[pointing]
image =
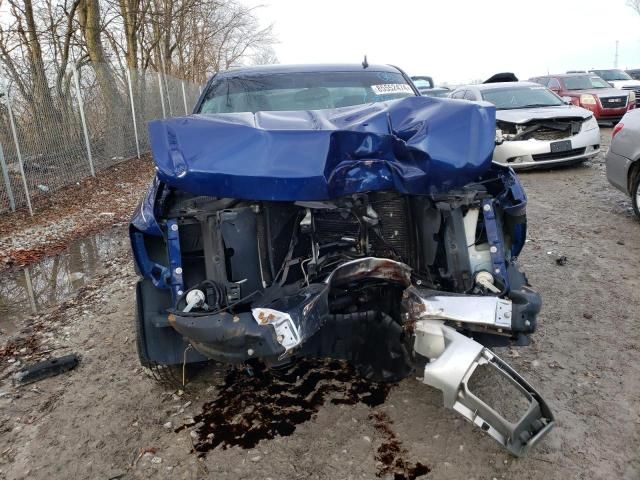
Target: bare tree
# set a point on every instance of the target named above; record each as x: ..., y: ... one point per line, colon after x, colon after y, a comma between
x: 264, y: 56
x: 22, y: 55
x: 36, y: 44
x: 635, y: 5
x: 195, y: 38
x: 41, y: 39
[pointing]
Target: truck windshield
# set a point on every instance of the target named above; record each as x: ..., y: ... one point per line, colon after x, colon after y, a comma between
x: 521, y: 97
x: 610, y: 75
x: 302, y: 91
x: 584, y: 82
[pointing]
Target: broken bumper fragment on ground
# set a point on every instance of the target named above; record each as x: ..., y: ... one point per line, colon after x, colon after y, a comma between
x: 393, y: 246
x: 454, y: 359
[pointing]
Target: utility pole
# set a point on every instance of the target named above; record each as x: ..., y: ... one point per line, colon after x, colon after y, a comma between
x: 615, y: 61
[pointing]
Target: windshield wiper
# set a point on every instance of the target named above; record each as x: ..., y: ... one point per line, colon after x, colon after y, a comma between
x: 535, y: 105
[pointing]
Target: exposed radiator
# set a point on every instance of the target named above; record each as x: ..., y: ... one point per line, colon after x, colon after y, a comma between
x: 391, y: 207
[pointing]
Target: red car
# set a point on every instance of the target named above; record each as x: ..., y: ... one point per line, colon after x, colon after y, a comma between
x: 589, y: 91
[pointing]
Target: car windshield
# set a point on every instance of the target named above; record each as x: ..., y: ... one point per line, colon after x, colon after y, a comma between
x: 584, y: 82
x: 436, y: 92
x: 422, y: 82
x: 510, y: 98
x: 302, y: 91
x: 613, y: 75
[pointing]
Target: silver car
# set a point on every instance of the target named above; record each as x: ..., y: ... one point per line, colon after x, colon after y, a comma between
x: 623, y: 157
x: 534, y: 126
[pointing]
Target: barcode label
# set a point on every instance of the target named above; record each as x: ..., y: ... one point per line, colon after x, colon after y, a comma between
x: 387, y: 88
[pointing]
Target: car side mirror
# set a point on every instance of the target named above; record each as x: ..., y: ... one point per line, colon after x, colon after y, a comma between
x: 567, y: 100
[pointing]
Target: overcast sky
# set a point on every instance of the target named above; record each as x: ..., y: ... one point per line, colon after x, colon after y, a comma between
x: 457, y: 40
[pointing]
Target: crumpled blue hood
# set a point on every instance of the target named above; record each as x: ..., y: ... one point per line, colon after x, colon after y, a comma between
x: 416, y: 145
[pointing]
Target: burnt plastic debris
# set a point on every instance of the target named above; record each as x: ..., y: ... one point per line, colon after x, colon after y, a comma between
x: 273, y: 402
x: 46, y: 369
x: 562, y: 260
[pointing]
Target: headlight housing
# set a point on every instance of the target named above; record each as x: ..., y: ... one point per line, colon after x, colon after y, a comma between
x: 587, y: 99
x: 632, y: 97
x: 590, y: 123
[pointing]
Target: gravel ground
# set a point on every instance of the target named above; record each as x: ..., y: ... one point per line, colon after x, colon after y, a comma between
x: 107, y: 419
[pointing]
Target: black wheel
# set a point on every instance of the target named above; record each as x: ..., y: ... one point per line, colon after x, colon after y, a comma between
x: 183, y: 367
x: 635, y: 192
x: 173, y: 376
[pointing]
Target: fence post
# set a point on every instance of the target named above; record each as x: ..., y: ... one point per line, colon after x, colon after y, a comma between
x: 7, y: 182
x: 160, y: 87
x: 19, y: 154
x: 30, y: 292
x: 166, y: 86
x: 164, y: 71
x: 133, y: 113
x: 76, y: 81
x: 184, y: 98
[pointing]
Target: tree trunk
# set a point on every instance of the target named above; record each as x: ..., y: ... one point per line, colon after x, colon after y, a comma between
x: 130, y: 12
x: 46, y: 113
x: 89, y: 19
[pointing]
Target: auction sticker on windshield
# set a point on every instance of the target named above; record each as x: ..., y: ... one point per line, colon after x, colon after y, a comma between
x: 387, y: 88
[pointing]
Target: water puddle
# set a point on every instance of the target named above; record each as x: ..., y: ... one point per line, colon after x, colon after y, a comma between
x: 53, y: 279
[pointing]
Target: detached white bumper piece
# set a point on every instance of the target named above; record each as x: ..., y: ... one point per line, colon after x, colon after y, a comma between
x: 453, y: 360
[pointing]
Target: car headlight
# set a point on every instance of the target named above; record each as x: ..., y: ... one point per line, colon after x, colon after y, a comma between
x: 632, y: 97
x: 590, y: 123
x: 587, y: 99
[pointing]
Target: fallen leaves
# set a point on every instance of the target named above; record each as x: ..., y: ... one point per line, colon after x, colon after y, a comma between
x: 73, y: 212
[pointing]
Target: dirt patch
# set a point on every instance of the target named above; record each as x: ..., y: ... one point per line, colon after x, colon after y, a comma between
x: 73, y: 212
x: 107, y: 419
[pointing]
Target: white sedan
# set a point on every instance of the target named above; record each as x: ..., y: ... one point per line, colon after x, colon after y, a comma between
x: 534, y: 126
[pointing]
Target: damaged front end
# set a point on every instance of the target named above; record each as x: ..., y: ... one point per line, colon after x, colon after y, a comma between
x: 523, y: 142
x: 384, y: 249
x: 546, y: 129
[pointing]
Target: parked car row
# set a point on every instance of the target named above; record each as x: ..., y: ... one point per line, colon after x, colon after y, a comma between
x: 552, y: 120
x: 591, y: 92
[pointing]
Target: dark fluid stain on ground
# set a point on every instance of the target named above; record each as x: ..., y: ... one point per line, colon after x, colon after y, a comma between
x: 271, y: 403
x: 391, y: 454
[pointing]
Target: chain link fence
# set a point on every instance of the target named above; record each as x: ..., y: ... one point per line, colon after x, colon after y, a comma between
x: 98, y: 119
